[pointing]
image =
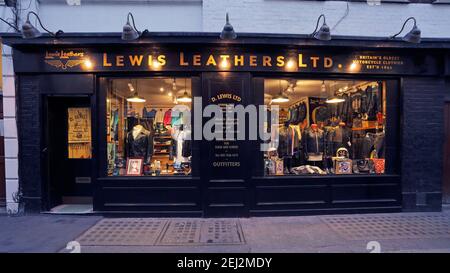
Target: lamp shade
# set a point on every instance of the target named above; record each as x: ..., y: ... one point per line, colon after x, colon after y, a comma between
x: 323, y: 34
x: 334, y: 99
x: 29, y: 31
x: 280, y: 98
x: 228, y: 31
x: 129, y: 33
x: 135, y: 98
x: 185, y: 97
x: 414, y: 36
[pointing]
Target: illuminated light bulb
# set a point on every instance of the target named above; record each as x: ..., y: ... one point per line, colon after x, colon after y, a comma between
x: 169, y: 94
x: 353, y: 66
x: 290, y: 64
x: 88, y: 64
x: 156, y: 64
x: 224, y: 64
x: 130, y: 86
x: 161, y: 89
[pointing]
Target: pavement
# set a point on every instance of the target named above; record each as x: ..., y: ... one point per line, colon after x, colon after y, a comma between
x: 394, y: 232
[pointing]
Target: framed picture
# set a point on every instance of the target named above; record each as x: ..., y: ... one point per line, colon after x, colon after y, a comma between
x: 343, y: 166
x: 134, y: 166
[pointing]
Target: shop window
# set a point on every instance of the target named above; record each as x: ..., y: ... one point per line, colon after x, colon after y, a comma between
x: 326, y: 127
x: 149, y: 127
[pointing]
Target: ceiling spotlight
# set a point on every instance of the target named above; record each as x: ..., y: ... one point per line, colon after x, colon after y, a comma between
x: 323, y: 34
x: 228, y: 31
x: 413, y: 36
x: 29, y: 31
x: 323, y: 87
x: 130, y: 32
x: 130, y: 86
x: 174, y: 84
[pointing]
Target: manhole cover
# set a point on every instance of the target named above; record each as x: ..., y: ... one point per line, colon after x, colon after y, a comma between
x: 123, y: 231
x: 203, y: 232
x: 358, y: 227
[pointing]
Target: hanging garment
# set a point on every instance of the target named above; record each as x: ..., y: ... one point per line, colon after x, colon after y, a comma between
x: 168, y: 117
x: 148, y: 114
x: 313, y: 144
x: 177, y: 117
x: 159, y: 116
x: 114, y: 125
x: 140, y: 145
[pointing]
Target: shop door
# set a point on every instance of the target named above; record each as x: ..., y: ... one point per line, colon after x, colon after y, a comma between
x: 69, y: 150
x: 225, y: 163
x: 446, y: 178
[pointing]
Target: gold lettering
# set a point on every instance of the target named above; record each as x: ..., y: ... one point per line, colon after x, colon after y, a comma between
x: 267, y: 61
x: 300, y: 61
x: 196, y: 60
x: 105, y: 60
x: 280, y: 61
x: 314, y: 61
x: 162, y: 60
x: 119, y: 60
x: 328, y: 62
x: 135, y: 59
x: 211, y: 61
x: 182, y: 61
x: 252, y: 60
x: 239, y: 60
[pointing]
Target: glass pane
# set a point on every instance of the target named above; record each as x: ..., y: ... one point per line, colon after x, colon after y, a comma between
x: 149, y: 126
x: 326, y: 127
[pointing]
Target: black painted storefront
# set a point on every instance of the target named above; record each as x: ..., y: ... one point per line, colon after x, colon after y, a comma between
x: 414, y: 127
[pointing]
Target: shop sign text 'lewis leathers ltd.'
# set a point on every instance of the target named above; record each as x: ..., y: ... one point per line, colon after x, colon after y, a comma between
x: 308, y: 60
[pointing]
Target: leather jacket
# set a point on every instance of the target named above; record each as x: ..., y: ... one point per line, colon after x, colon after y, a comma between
x: 141, y: 146
x: 313, y: 142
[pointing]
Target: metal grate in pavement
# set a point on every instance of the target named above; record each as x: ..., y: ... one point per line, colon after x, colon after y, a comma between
x: 181, y: 233
x: 150, y: 232
x: 363, y: 227
x: 203, y: 232
x: 222, y: 232
x: 123, y: 231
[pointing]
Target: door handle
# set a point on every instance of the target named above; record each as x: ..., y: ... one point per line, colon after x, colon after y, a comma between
x: 44, y: 150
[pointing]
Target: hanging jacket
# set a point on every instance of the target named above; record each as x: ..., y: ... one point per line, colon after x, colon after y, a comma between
x: 313, y: 142
x: 141, y: 146
x: 168, y: 117
x: 301, y: 109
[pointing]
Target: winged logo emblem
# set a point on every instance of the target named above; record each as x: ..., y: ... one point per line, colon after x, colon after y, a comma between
x: 62, y: 65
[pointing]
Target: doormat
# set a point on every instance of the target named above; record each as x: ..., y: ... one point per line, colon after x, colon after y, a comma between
x: 162, y: 232
x: 392, y: 226
x: 72, y: 209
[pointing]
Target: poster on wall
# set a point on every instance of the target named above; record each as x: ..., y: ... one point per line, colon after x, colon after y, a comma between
x: 79, y: 132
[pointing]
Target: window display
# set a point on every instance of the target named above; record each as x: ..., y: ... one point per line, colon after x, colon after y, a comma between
x: 326, y: 127
x: 149, y: 127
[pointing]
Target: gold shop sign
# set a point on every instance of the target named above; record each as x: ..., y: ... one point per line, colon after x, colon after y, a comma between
x: 220, y: 59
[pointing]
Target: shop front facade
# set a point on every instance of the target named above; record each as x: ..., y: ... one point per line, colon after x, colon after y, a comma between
x: 354, y: 125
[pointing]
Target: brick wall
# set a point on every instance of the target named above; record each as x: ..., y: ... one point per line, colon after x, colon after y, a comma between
x: 422, y: 138
x: 286, y: 16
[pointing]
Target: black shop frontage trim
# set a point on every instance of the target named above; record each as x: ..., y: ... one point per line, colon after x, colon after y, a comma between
x: 80, y: 66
